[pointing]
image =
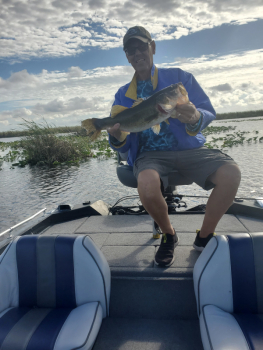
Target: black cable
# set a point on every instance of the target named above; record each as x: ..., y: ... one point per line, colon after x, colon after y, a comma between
x: 124, y: 198
x: 238, y: 198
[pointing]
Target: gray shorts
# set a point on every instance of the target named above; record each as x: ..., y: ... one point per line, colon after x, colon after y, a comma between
x: 194, y: 164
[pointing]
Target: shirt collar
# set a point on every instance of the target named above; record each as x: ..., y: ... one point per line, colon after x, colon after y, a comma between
x: 132, y: 90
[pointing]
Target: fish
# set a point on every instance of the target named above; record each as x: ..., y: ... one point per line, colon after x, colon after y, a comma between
x: 144, y: 113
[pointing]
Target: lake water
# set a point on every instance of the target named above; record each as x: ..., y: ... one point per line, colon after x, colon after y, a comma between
x: 24, y: 191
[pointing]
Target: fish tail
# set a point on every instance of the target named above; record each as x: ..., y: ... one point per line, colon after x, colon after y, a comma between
x: 92, y: 132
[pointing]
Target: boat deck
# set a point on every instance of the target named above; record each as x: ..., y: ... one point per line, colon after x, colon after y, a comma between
x: 151, y: 307
x: 127, y: 243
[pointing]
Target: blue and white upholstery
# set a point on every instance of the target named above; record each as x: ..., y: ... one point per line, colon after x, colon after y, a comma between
x: 54, y: 293
x: 228, y: 281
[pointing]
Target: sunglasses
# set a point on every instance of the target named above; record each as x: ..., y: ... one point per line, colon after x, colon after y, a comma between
x: 131, y: 50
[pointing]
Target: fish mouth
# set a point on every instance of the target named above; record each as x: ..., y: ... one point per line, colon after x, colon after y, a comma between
x: 160, y: 109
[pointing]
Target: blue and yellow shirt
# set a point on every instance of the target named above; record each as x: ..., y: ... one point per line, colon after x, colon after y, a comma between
x: 184, y: 138
x: 148, y: 140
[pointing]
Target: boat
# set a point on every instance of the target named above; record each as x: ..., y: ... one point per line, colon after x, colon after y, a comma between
x: 150, y: 307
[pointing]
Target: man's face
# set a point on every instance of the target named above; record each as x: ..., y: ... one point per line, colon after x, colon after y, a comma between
x: 140, y: 55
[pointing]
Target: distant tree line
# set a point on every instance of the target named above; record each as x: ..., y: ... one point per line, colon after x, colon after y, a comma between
x: 234, y: 115
x: 58, y: 130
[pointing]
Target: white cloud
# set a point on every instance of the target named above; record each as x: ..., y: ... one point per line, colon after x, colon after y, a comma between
x: 62, y: 106
x: 75, y: 72
x: 233, y: 83
x: 19, y: 113
x: 19, y: 79
x: 46, y: 28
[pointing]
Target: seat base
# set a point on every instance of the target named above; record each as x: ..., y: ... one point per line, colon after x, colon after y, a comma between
x: 222, y: 330
x: 50, y: 329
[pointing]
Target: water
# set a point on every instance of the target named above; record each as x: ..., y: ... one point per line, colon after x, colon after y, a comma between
x: 24, y: 191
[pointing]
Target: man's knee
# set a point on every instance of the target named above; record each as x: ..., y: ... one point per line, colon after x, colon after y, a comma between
x: 226, y: 174
x: 148, y: 182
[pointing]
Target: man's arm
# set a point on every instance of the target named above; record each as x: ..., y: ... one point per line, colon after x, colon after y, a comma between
x: 118, y: 140
x: 198, y: 114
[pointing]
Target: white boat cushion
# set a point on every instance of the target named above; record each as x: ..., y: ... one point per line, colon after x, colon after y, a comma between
x: 81, y: 328
x: 49, y: 271
x: 220, y: 330
x: 94, y: 284
x: 54, y: 293
x: 212, y: 276
x: 50, y: 329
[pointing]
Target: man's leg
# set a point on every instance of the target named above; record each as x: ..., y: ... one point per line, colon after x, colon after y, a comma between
x: 149, y: 190
x: 152, y: 199
x: 226, y: 179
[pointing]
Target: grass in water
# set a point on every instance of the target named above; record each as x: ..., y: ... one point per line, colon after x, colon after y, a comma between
x: 228, y: 140
x: 41, y: 146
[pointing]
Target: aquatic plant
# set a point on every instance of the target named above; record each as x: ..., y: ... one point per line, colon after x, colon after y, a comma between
x: 42, y: 146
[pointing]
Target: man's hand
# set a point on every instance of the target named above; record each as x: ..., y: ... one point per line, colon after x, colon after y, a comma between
x: 187, y: 113
x: 115, y: 131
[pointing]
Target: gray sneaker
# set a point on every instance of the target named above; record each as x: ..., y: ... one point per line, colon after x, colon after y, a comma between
x: 200, y: 243
x: 165, y: 254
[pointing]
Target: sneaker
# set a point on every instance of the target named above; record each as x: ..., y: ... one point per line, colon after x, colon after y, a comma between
x: 165, y: 254
x: 200, y: 243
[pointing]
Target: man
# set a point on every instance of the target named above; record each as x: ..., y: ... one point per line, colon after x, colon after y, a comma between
x: 179, y: 145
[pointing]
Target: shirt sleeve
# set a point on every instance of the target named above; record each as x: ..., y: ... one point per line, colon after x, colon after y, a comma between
x: 201, y: 101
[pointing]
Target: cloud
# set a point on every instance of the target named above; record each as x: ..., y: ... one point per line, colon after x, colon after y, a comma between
x: 222, y: 87
x: 19, y: 79
x: 60, y: 105
x: 46, y: 28
x: 15, y: 114
x: 75, y: 72
x: 233, y: 83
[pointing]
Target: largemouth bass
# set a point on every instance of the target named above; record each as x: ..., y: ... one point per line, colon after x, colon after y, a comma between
x: 144, y: 114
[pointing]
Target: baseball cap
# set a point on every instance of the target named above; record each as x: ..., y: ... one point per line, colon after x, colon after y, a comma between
x: 136, y: 32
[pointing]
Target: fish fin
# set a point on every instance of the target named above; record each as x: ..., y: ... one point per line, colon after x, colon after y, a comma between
x: 116, y: 109
x: 184, y: 95
x: 123, y: 136
x: 156, y: 129
x: 92, y: 132
x: 167, y: 121
x: 137, y: 102
x: 174, y: 114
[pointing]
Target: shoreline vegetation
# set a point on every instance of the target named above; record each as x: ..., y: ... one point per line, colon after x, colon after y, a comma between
x: 44, y: 145
x: 79, y: 129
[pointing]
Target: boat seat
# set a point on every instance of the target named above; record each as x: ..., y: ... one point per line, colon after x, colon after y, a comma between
x: 54, y: 293
x: 126, y: 177
x: 228, y: 282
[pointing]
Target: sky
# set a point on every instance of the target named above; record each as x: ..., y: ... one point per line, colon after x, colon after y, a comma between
x: 62, y: 61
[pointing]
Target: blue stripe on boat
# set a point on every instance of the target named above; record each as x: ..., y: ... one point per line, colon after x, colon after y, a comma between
x: 27, y: 270
x: 252, y: 327
x: 65, y: 282
x: 9, y: 320
x: 243, y: 273
x: 47, y: 332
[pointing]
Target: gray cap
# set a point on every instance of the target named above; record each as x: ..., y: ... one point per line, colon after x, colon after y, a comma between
x: 136, y: 32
